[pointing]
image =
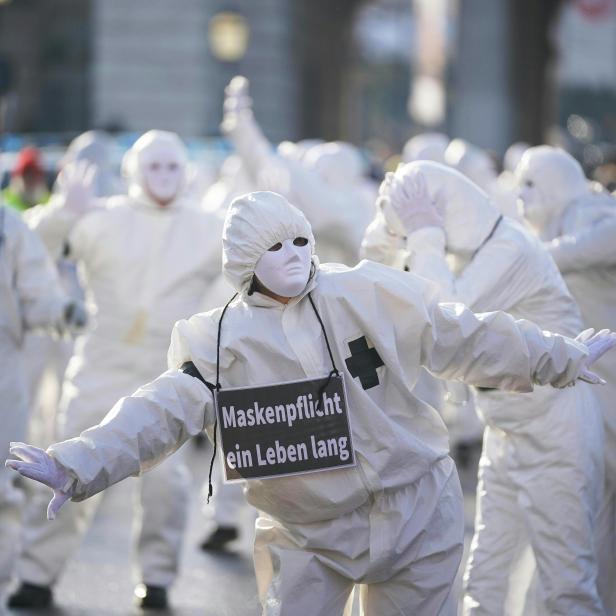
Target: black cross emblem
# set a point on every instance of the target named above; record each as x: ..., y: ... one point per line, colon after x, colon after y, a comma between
x: 363, y: 363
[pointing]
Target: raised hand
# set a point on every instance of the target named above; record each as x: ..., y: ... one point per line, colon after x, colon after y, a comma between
x: 37, y: 464
x: 237, y: 95
x: 409, y: 198
x: 75, y: 184
x: 598, y: 344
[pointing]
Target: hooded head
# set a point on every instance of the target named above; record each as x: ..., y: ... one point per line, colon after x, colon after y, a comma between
x: 476, y: 164
x: 427, y: 146
x: 468, y: 213
x: 256, y: 223
x: 155, y: 167
x: 549, y: 179
x: 94, y: 147
x: 337, y: 162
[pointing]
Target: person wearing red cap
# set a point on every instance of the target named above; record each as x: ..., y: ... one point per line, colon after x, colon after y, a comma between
x: 27, y: 186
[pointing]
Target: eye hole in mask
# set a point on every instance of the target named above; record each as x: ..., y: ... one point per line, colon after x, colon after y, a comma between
x: 298, y: 241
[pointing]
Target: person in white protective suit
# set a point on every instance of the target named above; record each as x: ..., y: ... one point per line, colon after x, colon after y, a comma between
x: 454, y: 401
x: 477, y: 165
x: 392, y: 522
x: 30, y: 297
x: 148, y: 259
x: 541, y: 470
x: 47, y: 356
x: 425, y: 146
x: 577, y: 223
x: 326, y: 183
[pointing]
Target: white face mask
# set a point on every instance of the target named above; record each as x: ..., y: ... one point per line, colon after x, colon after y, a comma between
x: 162, y: 174
x: 285, y: 268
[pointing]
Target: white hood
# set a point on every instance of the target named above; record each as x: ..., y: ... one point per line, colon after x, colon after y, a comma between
x: 254, y: 223
x: 556, y: 180
x: 427, y: 146
x: 94, y: 147
x: 469, y: 215
x: 132, y: 168
x: 475, y: 163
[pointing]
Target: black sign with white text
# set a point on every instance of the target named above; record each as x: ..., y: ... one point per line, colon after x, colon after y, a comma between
x: 284, y: 429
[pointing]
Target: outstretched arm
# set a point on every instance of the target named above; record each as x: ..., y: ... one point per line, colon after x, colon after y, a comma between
x: 240, y: 125
x: 495, y: 350
x: 138, y: 433
x: 489, y: 349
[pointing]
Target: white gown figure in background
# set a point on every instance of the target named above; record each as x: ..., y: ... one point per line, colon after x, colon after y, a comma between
x: 425, y: 146
x: 507, y: 179
x: 577, y: 222
x: 148, y: 260
x: 541, y: 471
x: 393, y: 522
x: 479, y: 167
x: 47, y: 356
x: 326, y: 182
x: 31, y: 297
x: 384, y: 242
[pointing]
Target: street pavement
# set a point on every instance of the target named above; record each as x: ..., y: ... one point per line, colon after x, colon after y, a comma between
x: 99, y: 581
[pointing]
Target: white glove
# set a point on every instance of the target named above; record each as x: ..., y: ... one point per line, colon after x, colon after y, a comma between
x: 75, y: 184
x: 410, y: 201
x: 237, y: 104
x: 598, y: 344
x: 39, y: 465
x: 237, y: 97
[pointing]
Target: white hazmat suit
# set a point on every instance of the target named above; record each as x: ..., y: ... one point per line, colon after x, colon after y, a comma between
x: 47, y: 356
x: 578, y: 225
x: 326, y: 183
x: 30, y: 297
x: 541, y: 471
x: 146, y: 265
x: 393, y: 522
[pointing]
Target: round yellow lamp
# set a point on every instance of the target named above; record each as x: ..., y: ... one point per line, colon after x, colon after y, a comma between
x: 228, y: 35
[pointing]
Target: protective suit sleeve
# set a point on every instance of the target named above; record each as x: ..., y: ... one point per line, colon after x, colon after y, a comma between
x: 53, y: 223
x: 40, y: 295
x: 380, y: 245
x: 494, y: 350
x: 490, y: 349
x: 486, y: 281
x: 138, y: 433
x: 249, y: 141
x: 592, y: 247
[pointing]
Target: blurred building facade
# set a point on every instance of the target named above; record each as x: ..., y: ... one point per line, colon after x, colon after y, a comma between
x: 490, y: 71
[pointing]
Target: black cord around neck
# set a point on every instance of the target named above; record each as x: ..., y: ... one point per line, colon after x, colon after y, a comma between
x: 329, y: 349
x: 210, y: 488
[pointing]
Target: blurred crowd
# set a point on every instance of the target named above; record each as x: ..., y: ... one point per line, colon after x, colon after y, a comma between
x: 111, y: 251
